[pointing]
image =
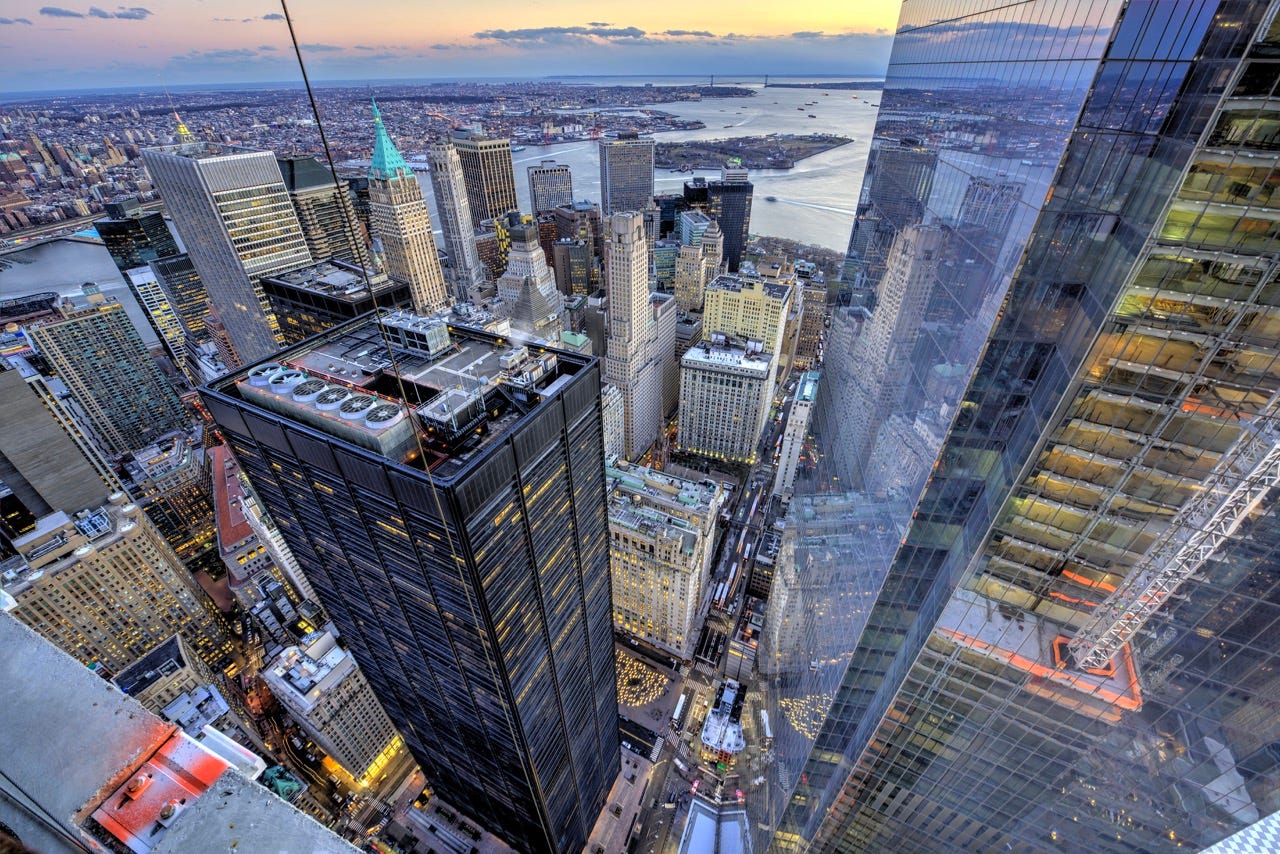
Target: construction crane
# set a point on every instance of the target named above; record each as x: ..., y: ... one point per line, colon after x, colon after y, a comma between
x: 1228, y: 496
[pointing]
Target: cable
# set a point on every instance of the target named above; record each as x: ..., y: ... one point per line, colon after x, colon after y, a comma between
x: 458, y: 560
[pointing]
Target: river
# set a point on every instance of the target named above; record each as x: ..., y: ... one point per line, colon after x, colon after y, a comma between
x: 815, y: 199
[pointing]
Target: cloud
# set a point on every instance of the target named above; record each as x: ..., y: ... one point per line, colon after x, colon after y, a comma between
x: 7, y: 21
x: 599, y: 24
x: 699, y: 33
x: 321, y: 48
x: 125, y: 13
x: 273, y: 16
x: 267, y: 47
x: 219, y: 54
x: 553, y: 35
x: 807, y: 34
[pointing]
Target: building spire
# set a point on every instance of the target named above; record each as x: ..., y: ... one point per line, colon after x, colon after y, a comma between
x: 184, y: 133
x: 387, y: 162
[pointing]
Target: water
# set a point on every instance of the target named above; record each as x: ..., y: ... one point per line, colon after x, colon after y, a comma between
x: 63, y: 266
x: 815, y: 199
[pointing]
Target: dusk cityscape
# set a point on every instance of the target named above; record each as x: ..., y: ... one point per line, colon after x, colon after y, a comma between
x: 594, y: 428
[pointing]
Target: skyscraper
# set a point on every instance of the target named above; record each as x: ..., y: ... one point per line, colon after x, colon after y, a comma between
x: 104, y: 586
x: 1070, y: 648
x: 181, y: 283
x: 626, y: 174
x: 550, y: 186
x: 528, y: 288
x: 234, y: 215
x: 134, y: 236
x: 325, y: 212
x: 488, y: 174
x: 725, y: 394
x: 402, y: 224
x: 451, y: 519
x: 310, y: 299
x: 629, y: 361
x: 729, y: 204
x: 100, y: 356
x: 465, y: 271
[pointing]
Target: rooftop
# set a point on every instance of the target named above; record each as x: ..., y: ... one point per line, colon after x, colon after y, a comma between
x: 59, y: 541
x: 334, y: 279
x: 306, y: 668
x: 422, y: 391
x: 722, y: 730
x: 204, y: 150
x: 165, y: 660
x: 160, y: 458
x: 727, y: 356
x: 808, y: 386
x: 736, y: 284
x: 228, y: 499
x: 663, y: 487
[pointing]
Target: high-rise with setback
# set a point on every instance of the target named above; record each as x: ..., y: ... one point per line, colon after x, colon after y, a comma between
x: 550, y: 186
x: 236, y: 220
x: 629, y: 361
x: 443, y: 489
x: 402, y: 223
x: 1071, y: 648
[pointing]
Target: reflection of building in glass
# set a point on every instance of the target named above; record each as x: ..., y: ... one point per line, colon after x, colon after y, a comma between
x: 899, y: 177
x: 1070, y: 648
x: 444, y: 491
x: 662, y: 535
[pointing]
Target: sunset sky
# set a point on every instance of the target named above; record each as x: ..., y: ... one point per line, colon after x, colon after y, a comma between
x: 178, y: 42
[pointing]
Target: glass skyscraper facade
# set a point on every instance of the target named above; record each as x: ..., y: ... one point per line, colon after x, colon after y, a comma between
x: 1056, y: 635
x: 444, y: 490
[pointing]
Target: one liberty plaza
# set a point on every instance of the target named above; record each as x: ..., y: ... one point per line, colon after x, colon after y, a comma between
x: 1055, y: 634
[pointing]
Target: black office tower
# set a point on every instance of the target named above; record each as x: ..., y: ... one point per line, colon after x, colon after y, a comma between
x: 135, y: 236
x: 443, y: 489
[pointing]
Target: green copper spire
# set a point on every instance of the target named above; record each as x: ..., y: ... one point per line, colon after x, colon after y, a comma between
x: 387, y: 162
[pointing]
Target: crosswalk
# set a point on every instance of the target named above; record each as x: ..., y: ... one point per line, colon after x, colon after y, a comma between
x: 657, y: 749
x: 703, y: 667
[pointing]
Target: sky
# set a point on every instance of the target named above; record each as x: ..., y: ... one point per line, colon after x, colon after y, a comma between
x: 182, y: 42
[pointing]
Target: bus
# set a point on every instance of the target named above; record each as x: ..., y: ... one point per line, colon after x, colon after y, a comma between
x: 675, y: 716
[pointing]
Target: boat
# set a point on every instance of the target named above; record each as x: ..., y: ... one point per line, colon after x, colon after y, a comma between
x: 770, y: 198
x: 517, y: 148
x: 801, y: 109
x: 812, y: 116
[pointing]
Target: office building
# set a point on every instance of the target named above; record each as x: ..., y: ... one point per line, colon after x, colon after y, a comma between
x: 488, y: 175
x: 402, y: 224
x: 794, y: 434
x: 134, y: 237
x: 626, y: 174
x: 550, y: 186
x: 161, y: 317
x: 311, y: 299
x: 97, y: 352
x: 164, y: 674
x: 181, y: 283
x: 580, y: 221
x: 613, y: 423
x: 662, y: 534
x: 235, y: 218
x: 725, y: 394
x: 749, y: 307
x: 1070, y: 648
x: 663, y: 344
x: 630, y: 361
x: 474, y: 594
x: 528, y: 288
x: 575, y: 266
x: 813, y: 320
x: 729, y: 204
x: 170, y: 480
x: 320, y: 685
x: 324, y: 209
x: 464, y: 269
x: 104, y: 586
